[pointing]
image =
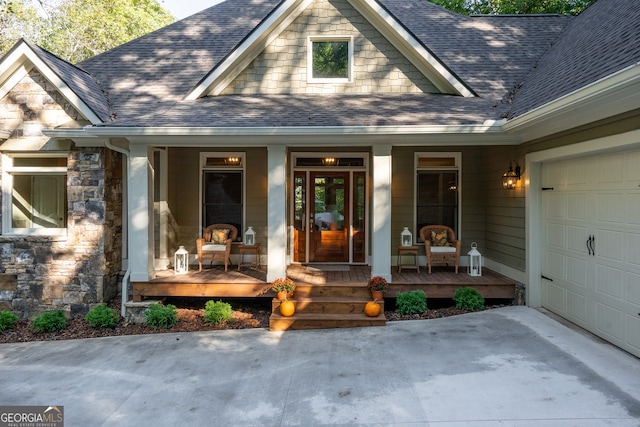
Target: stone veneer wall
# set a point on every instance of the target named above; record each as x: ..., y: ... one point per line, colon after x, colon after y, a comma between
x: 72, y: 272
x: 378, y: 67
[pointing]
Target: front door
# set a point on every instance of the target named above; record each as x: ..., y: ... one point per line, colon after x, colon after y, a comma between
x: 329, y: 216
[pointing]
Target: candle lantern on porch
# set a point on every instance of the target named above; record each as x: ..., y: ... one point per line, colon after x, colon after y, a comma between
x: 475, y: 261
x: 250, y: 237
x: 181, y: 261
x: 406, y: 238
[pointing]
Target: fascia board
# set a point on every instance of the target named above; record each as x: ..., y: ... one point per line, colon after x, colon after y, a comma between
x: 249, y: 49
x: 490, y: 134
x: 411, y: 48
x: 24, y: 57
x: 607, y: 97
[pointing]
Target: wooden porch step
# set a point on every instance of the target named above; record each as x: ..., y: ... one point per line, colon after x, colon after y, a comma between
x: 333, y: 305
x: 329, y: 305
x: 323, y: 321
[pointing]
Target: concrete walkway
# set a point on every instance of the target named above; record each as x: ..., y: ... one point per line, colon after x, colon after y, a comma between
x: 513, y: 366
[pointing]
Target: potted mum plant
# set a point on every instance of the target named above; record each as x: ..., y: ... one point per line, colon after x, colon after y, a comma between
x: 378, y: 286
x: 283, y: 288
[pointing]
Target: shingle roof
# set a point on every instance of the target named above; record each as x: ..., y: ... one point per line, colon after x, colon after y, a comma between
x: 154, y: 72
x: 603, y: 39
x: 166, y: 64
x: 312, y: 110
x: 78, y: 80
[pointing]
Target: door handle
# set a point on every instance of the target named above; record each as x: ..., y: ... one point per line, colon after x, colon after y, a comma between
x: 591, y: 245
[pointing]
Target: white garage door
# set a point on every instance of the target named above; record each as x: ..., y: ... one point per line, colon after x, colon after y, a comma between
x: 591, y: 244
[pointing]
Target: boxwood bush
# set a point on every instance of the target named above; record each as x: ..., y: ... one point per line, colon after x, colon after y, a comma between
x: 217, y: 312
x: 49, y: 321
x: 469, y: 299
x: 102, y: 316
x: 7, y: 320
x: 161, y: 316
x: 413, y: 302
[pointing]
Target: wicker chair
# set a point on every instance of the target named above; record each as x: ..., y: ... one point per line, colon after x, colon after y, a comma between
x: 445, y: 249
x: 215, y: 244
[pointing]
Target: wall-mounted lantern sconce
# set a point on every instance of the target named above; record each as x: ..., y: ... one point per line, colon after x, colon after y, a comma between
x: 511, y: 177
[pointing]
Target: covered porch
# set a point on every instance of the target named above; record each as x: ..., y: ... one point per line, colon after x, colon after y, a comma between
x: 251, y: 282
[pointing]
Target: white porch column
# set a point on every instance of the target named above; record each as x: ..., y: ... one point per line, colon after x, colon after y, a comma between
x: 381, y: 213
x: 277, y: 215
x: 141, y: 244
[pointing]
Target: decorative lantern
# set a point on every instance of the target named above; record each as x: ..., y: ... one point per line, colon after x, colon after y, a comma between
x: 475, y: 261
x: 181, y: 261
x: 406, y: 238
x: 249, y: 237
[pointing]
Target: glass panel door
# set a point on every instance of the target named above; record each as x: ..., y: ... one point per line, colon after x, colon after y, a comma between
x: 329, y: 217
x: 358, y: 222
x: 300, y: 217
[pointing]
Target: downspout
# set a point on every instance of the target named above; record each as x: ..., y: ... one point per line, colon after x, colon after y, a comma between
x: 127, y: 274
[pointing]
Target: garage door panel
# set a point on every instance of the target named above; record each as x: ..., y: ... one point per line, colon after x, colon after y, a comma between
x: 577, y: 271
x: 556, y: 207
x: 576, y: 306
x: 632, y: 169
x: 610, y: 281
x: 577, y: 238
x: 633, y: 290
x: 610, y: 245
x: 555, y: 236
x: 633, y: 209
x: 611, y: 208
x: 577, y: 206
x: 555, y: 264
x: 555, y: 298
x: 632, y: 329
x: 633, y: 249
x: 609, y: 321
x: 611, y: 168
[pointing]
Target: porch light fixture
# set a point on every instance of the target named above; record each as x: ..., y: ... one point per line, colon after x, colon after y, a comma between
x: 475, y: 261
x: 233, y: 161
x: 181, y: 261
x: 329, y: 161
x: 406, y: 237
x: 511, y: 177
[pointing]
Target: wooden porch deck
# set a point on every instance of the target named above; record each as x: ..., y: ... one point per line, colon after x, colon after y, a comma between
x: 249, y: 282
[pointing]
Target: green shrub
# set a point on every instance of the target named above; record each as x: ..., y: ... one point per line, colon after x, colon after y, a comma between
x: 161, y: 316
x: 469, y: 299
x: 414, y: 302
x: 7, y: 320
x: 216, y: 312
x: 49, y: 321
x: 102, y: 316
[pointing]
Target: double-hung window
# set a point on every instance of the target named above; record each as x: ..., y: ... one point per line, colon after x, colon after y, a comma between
x: 437, y: 189
x: 34, y: 194
x: 223, y: 189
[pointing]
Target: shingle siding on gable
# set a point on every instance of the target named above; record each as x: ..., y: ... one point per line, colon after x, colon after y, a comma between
x: 282, y: 67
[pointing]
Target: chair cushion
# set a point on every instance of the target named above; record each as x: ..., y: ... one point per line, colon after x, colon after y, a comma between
x: 219, y: 236
x: 214, y: 248
x: 439, y: 238
x: 443, y: 249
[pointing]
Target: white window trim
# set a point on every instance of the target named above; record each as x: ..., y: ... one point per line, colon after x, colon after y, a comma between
x: 203, y: 167
x: 7, y: 189
x: 457, y: 156
x: 336, y: 38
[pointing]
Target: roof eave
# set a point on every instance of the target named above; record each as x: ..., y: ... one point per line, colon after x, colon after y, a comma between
x: 607, y: 97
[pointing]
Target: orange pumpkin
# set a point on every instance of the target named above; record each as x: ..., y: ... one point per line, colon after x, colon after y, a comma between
x: 372, y: 309
x: 287, y: 308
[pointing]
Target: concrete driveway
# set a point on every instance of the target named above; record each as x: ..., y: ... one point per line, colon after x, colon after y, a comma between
x: 512, y: 366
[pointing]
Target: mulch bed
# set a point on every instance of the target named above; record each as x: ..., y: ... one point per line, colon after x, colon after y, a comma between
x: 246, y: 315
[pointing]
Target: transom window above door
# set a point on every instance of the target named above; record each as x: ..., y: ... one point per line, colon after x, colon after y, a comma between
x: 329, y: 59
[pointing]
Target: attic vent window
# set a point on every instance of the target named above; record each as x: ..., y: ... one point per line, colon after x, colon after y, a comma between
x: 329, y: 59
